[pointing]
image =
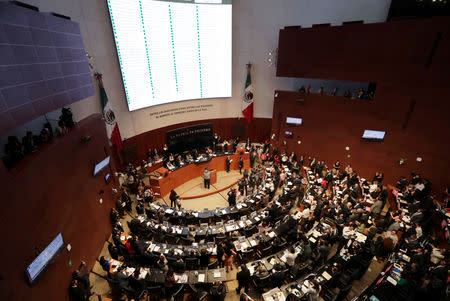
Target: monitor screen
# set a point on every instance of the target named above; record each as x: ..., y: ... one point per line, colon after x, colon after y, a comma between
x: 35, y: 269
x: 294, y: 120
x: 101, y: 165
x: 172, y: 50
x: 373, y: 135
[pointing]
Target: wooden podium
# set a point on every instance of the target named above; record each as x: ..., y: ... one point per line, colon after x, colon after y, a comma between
x: 213, y: 176
x: 172, y: 179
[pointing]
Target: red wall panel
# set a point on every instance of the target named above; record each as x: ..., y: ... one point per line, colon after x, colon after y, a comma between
x: 360, y: 52
x: 332, y: 123
x: 54, y: 191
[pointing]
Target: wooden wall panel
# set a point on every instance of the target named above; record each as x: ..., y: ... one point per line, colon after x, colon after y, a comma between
x: 362, y: 52
x: 408, y: 60
x: 54, y: 191
x: 330, y: 124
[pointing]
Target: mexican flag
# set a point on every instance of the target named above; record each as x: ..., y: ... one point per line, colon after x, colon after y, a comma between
x: 112, y: 128
x: 247, y: 101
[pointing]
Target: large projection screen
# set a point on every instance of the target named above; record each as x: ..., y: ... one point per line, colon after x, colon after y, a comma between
x: 172, y: 50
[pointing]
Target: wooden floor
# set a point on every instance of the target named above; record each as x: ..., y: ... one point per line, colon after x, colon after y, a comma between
x: 219, y: 199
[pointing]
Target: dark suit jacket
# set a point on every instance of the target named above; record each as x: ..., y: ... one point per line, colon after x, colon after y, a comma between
x: 243, y: 277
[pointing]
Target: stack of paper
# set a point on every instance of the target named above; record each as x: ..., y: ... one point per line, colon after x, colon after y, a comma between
x: 201, y: 277
x: 326, y: 275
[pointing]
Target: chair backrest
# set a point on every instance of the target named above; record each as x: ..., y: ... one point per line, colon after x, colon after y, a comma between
x: 212, y: 265
x: 154, y: 291
x: 263, y: 281
x: 191, y: 263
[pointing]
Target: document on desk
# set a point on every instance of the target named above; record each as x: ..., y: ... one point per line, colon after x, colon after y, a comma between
x: 181, y: 278
x: 217, y: 274
x: 201, y: 278
x: 360, y: 237
x: 271, y: 234
x: 326, y: 275
x: 391, y: 280
x: 130, y: 271
x: 143, y: 273
x: 151, y: 247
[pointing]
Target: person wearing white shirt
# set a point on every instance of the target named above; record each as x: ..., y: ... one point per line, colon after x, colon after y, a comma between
x: 305, y: 213
x: 290, y: 257
x: 373, y: 186
x: 348, y: 232
x: 419, y: 232
x: 436, y: 255
x: 419, y: 186
x: 393, y: 236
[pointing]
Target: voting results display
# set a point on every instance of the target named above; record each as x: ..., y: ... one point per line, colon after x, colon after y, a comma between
x: 172, y: 50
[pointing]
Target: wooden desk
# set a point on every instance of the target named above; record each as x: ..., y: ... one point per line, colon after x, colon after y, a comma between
x: 213, y: 177
x: 176, y: 178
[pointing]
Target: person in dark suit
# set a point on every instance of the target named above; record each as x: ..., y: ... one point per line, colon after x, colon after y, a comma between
x: 204, y: 258
x: 220, y: 253
x: 76, y: 293
x: 241, y: 164
x: 232, y: 197
x: 173, y: 198
x: 243, y: 278
x: 252, y: 158
x: 278, y: 276
x: 29, y: 143
x: 114, y: 215
x: 113, y: 252
x: 127, y: 199
x: 82, y: 276
x: 120, y: 206
x: 227, y: 164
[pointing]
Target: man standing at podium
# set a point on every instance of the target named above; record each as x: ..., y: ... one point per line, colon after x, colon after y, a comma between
x: 206, y: 177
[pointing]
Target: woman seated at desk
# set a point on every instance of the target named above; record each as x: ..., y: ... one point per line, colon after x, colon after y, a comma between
x: 208, y: 151
x: 180, y: 161
x: 170, y: 164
